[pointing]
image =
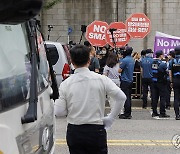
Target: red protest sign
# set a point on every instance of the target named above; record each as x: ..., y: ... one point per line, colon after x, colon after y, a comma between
x: 121, y: 37
x: 95, y: 33
x: 138, y: 25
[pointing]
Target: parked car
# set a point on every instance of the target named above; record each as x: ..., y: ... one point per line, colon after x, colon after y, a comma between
x: 62, y: 62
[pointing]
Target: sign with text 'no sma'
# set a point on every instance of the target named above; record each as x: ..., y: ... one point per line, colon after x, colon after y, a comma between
x: 95, y: 33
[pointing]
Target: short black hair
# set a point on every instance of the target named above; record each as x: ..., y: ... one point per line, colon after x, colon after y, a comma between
x: 177, y: 50
x: 80, y: 54
x: 172, y: 53
x: 143, y: 52
x: 86, y: 43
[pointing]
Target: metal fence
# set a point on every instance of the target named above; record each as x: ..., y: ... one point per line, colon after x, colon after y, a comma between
x: 137, y: 85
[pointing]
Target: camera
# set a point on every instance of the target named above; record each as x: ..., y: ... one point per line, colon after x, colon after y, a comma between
x: 112, y: 30
x: 83, y: 28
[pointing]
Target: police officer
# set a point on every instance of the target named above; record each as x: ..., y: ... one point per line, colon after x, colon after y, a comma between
x: 126, y: 69
x: 170, y: 56
x: 146, y: 72
x: 159, y: 85
x: 174, y: 74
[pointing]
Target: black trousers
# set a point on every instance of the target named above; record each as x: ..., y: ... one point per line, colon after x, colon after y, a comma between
x: 159, y: 90
x: 86, y: 139
x: 126, y: 87
x: 176, y: 87
x: 146, y: 82
x: 168, y: 94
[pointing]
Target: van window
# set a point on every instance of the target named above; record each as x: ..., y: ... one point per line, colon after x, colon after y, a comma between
x: 15, y: 67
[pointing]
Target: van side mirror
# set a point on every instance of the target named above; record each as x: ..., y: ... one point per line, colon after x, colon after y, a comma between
x: 18, y: 11
x: 53, y: 55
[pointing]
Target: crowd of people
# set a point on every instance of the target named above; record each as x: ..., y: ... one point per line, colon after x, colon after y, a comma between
x: 156, y: 74
x: 98, y: 75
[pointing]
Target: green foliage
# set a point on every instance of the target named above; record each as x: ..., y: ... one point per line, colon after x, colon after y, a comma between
x: 50, y: 4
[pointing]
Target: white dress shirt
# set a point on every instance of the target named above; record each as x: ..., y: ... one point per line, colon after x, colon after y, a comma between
x: 82, y: 97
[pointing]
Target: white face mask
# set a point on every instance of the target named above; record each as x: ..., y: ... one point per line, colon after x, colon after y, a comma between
x: 103, y: 52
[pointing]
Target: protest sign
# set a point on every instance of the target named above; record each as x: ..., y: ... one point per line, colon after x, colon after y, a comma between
x: 95, y: 33
x: 138, y: 25
x: 165, y: 42
x: 121, y: 37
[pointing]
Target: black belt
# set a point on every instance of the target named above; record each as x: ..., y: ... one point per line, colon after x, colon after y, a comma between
x: 84, y: 126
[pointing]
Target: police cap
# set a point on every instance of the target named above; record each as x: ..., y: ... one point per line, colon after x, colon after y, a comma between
x: 149, y: 51
x: 159, y: 53
x: 129, y: 50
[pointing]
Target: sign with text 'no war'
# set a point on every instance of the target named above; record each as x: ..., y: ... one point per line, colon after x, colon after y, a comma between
x: 165, y: 42
x: 95, y: 33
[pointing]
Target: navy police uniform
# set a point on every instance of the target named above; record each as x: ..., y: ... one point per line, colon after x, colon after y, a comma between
x: 159, y: 86
x: 174, y: 66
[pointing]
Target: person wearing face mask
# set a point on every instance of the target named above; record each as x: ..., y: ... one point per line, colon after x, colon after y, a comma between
x: 146, y: 73
x: 103, y: 54
x: 94, y: 63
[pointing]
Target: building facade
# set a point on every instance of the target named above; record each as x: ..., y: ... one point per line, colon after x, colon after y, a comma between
x: 164, y: 16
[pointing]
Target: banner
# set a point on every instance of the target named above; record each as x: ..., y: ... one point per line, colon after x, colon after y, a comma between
x: 165, y: 42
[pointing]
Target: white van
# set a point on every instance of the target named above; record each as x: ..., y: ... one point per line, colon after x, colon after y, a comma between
x: 27, y: 121
x: 63, y: 65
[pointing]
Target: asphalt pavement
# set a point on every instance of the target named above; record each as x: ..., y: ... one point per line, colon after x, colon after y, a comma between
x: 140, y: 135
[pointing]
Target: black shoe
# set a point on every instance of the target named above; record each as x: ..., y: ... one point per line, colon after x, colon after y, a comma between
x: 164, y: 116
x: 155, y: 114
x: 177, y: 117
x: 144, y: 107
x: 122, y: 116
x: 168, y: 107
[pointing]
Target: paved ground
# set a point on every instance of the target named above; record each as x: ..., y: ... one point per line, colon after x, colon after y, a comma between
x: 142, y: 134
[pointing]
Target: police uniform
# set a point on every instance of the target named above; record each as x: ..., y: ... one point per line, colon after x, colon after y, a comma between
x: 174, y: 66
x: 159, y: 85
x: 146, y: 65
x: 127, y: 66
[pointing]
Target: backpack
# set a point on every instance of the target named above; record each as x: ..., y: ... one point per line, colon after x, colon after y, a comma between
x: 176, y: 68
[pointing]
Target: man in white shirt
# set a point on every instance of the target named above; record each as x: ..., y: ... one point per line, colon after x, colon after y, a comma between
x: 82, y: 100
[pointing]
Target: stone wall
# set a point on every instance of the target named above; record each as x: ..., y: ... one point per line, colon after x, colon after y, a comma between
x: 164, y: 16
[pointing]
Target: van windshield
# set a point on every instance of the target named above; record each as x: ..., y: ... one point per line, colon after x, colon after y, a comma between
x: 15, y: 67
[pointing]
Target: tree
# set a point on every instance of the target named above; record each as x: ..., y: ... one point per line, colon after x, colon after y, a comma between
x: 50, y: 4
